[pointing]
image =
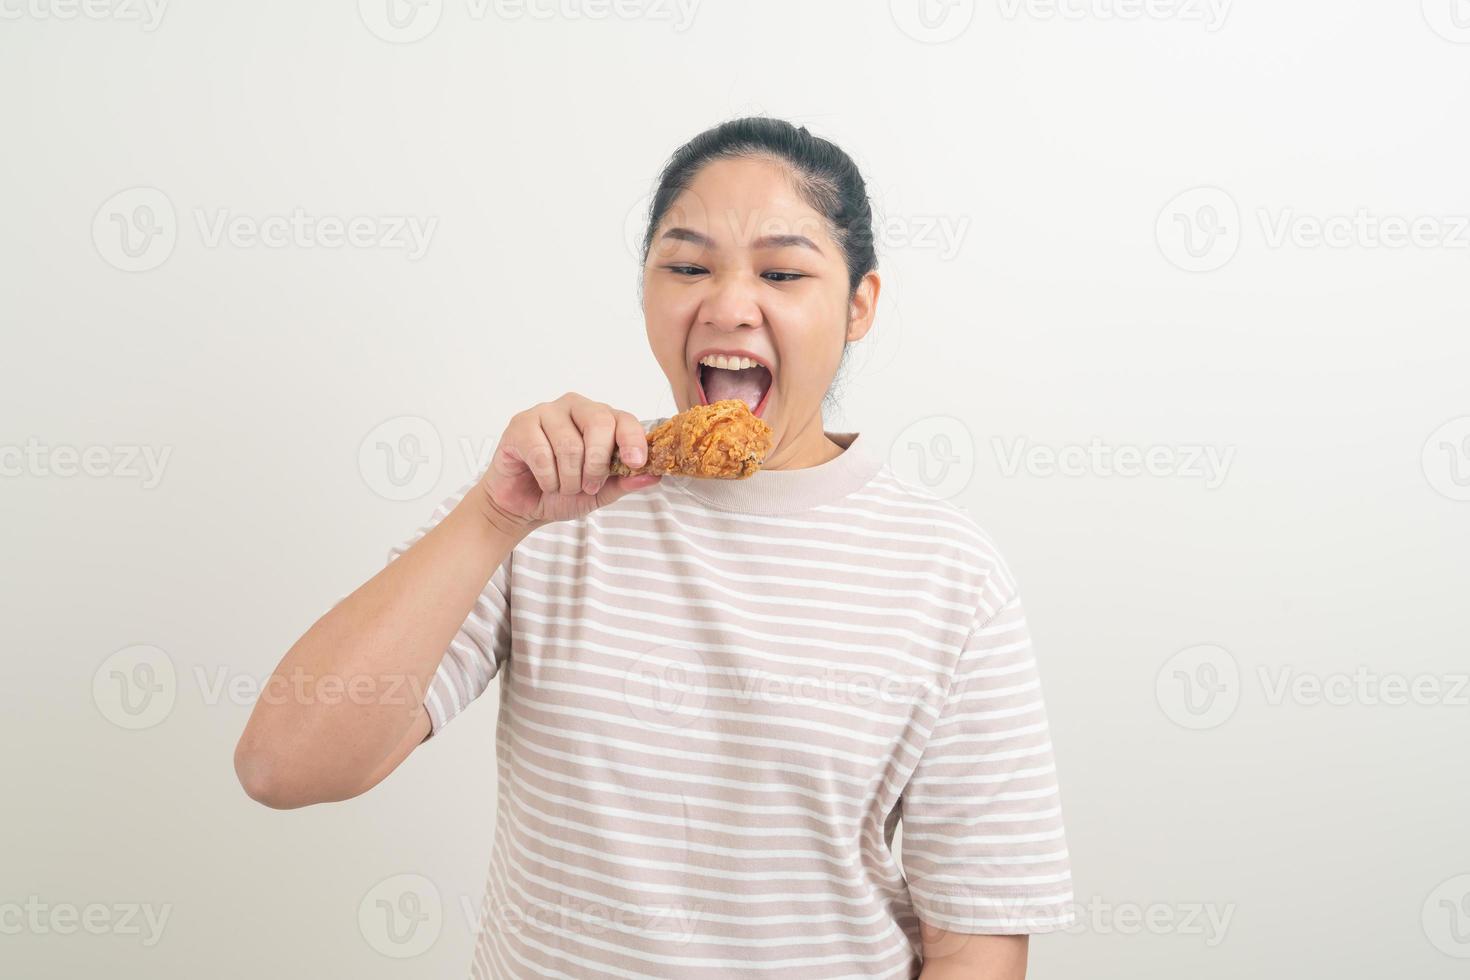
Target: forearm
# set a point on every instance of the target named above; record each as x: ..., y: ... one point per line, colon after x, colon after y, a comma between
x: 345, y: 694
x: 957, y: 956
x: 958, y: 971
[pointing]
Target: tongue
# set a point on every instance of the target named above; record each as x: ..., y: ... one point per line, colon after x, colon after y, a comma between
x: 748, y: 385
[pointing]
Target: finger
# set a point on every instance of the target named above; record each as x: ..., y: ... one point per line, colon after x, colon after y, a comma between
x: 598, y: 427
x: 632, y: 440
x: 566, y: 443
x: 621, y: 486
x: 528, y: 444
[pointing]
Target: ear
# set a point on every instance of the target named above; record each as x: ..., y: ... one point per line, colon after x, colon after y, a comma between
x: 863, y: 307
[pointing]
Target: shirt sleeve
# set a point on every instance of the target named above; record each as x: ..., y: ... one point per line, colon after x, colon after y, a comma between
x: 482, y: 643
x: 983, y: 845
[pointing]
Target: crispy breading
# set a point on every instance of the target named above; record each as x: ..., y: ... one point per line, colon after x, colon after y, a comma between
x: 722, y: 440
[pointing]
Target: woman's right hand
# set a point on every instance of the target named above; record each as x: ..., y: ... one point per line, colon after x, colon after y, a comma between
x: 553, y: 459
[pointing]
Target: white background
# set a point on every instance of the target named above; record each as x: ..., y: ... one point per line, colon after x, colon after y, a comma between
x: 1027, y: 162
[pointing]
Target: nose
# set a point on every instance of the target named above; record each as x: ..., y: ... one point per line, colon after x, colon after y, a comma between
x: 731, y: 303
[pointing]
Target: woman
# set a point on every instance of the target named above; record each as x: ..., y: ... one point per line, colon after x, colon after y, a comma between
x: 718, y: 697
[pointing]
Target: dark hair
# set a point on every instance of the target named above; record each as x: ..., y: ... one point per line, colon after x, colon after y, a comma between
x: 824, y: 176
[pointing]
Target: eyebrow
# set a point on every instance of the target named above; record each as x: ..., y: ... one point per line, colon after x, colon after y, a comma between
x: 767, y: 241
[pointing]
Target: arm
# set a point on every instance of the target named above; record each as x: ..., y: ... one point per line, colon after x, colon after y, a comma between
x: 984, y: 848
x: 379, y: 648
x: 344, y: 706
x: 957, y: 956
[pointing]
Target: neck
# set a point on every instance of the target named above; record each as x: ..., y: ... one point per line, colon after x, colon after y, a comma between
x: 807, y: 446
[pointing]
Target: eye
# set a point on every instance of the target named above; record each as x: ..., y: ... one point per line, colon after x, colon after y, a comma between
x: 694, y: 270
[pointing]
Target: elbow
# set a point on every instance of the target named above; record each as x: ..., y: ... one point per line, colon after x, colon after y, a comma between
x: 262, y: 777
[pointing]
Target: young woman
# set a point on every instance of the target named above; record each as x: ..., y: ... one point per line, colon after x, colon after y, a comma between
x: 717, y: 697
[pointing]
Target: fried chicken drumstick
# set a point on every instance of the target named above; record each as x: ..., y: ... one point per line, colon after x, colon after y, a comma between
x: 723, y: 440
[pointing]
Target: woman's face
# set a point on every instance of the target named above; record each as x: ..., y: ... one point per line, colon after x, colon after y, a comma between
x: 740, y: 263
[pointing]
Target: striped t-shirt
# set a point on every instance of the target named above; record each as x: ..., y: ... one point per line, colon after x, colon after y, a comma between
x: 717, y: 700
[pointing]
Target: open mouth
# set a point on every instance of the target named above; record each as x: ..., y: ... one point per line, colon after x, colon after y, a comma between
x: 751, y: 385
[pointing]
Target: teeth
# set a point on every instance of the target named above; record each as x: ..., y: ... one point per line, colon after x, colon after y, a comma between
x: 728, y: 363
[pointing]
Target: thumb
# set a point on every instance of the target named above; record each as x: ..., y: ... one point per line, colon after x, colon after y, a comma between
x: 621, y: 486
